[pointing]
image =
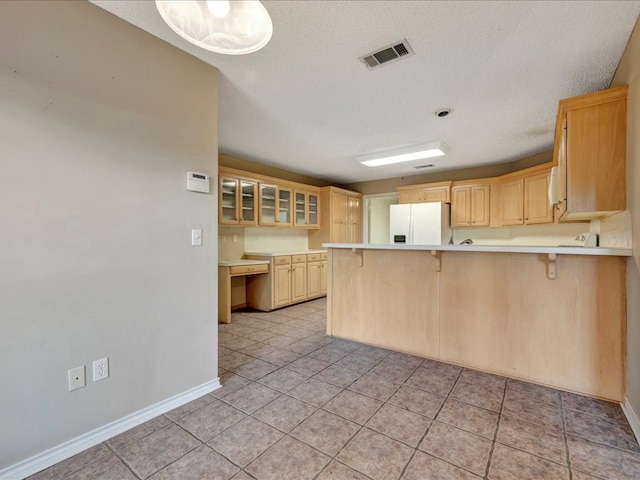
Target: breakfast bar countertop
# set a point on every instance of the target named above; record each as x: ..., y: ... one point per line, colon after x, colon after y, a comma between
x: 618, y: 252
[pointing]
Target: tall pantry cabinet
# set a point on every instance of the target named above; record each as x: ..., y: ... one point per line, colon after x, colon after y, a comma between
x: 340, y: 218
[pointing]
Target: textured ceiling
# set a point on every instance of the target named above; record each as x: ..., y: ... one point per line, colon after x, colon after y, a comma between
x: 305, y: 103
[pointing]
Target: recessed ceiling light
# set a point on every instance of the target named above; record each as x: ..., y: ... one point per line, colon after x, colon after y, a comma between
x: 416, y: 152
x: 232, y: 27
x: 443, y: 112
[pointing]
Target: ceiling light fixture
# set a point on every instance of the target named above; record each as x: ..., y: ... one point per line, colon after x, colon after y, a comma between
x: 416, y: 152
x: 232, y: 27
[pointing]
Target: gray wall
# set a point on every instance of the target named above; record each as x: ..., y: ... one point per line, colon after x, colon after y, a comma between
x: 99, y: 123
x: 628, y: 73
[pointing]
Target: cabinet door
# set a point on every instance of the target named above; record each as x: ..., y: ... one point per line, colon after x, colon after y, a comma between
x: 537, y: 208
x: 339, y: 215
x: 511, y: 202
x: 228, y: 201
x: 268, y: 204
x: 480, y: 205
x: 324, y: 268
x: 436, y: 194
x: 298, y: 282
x: 313, y: 210
x: 281, y: 285
x: 410, y: 196
x: 596, y: 158
x: 461, y: 206
x: 313, y: 279
x: 354, y: 216
x: 248, y: 202
x: 301, y: 204
x: 285, y: 207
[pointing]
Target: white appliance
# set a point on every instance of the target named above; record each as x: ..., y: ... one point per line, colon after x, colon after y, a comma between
x: 420, y: 224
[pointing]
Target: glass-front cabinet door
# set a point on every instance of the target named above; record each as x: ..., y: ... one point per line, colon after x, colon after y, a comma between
x: 248, y: 202
x: 313, y: 217
x: 301, y: 209
x: 285, y: 201
x: 306, y: 209
x: 268, y: 204
x: 228, y: 211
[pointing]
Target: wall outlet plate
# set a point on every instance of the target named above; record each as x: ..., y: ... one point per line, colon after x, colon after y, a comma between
x: 76, y: 378
x: 100, y: 369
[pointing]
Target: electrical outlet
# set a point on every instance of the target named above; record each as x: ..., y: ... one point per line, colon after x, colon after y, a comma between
x: 100, y: 369
x: 76, y: 378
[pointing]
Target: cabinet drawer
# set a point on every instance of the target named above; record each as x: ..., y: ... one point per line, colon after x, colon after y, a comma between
x: 298, y: 258
x: 284, y: 260
x: 323, y: 256
x: 244, y: 269
x: 313, y: 257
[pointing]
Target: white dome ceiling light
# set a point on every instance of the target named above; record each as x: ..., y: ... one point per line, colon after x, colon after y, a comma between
x: 222, y: 26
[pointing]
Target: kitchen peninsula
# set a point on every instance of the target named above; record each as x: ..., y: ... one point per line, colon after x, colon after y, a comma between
x: 551, y: 315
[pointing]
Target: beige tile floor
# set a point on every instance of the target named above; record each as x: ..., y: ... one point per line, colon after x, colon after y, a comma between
x: 297, y: 405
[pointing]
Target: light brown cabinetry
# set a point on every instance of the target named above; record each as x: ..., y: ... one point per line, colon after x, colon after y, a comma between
x: 340, y: 218
x: 298, y: 278
x: 237, y: 201
x: 424, y: 193
x: 247, y: 199
x: 524, y: 197
x: 275, y: 205
x: 470, y: 205
x: 291, y: 279
x: 590, y: 151
x: 316, y: 275
x: 306, y: 209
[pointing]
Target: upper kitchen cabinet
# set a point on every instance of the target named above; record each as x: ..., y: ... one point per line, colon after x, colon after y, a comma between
x: 590, y: 151
x: 424, y: 193
x: 524, y: 197
x: 470, y: 204
x: 275, y: 205
x: 237, y: 201
x: 340, y: 218
x: 307, y: 209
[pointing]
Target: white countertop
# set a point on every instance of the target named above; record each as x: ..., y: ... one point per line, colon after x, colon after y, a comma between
x: 619, y: 252
x: 240, y: 263
x: 277, y: 253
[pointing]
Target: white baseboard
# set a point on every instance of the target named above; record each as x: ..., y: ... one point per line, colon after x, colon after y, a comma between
x: 632, y: 418
x: 72, y: 447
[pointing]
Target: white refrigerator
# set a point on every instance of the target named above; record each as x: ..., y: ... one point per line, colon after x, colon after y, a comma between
x: 420, y: 224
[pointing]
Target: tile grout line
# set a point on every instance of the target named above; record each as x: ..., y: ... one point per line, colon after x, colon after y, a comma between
x: 495, y: 433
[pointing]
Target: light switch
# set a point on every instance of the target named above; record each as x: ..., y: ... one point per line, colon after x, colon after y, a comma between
x: 196, y: 237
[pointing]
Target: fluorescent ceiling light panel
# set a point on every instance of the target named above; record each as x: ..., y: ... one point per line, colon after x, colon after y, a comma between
x: 417, y: 152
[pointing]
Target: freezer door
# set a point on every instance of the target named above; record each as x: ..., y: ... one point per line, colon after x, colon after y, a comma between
x: 430, y: 223
x: 399, y: 223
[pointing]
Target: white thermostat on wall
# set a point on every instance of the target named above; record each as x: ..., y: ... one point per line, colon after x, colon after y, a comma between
x: 198, y: 182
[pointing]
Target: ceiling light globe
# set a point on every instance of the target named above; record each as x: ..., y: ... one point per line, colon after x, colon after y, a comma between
x: 245, y: 28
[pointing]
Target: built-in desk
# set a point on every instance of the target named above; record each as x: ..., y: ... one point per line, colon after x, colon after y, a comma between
x: 234, y: 268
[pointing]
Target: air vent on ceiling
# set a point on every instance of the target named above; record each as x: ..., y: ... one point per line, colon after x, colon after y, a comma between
x: 387, y: 54
x: 424, y: 166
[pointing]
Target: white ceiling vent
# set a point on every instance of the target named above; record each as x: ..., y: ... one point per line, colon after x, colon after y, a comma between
x: 387, y: 54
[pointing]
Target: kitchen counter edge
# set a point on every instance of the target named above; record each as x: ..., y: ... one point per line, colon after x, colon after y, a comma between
x: 284, y: 252
x: 617, y: 252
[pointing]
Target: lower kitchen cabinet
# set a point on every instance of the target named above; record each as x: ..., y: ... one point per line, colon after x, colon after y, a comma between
x: 291, y: 279
x: 298, y: 278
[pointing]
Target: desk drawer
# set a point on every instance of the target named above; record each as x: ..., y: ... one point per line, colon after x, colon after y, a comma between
x: 284, y: 260
x: 298, y: 258
x: 248, y: 269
